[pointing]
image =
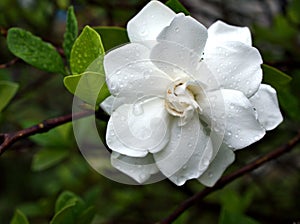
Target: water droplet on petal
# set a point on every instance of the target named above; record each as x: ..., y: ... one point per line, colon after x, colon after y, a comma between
x: 210, y: 175
x: 143, y: 32
x: 142, y: 176
x: 256, y: 138
x: 206, y: 162
x: 147, y: 74
x: 138, y: 109
x: 177, y: 29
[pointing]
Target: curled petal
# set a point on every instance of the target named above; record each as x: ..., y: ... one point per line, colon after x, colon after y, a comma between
x: 266, y: 104
x: 222, y: 32
x: 242, y: 127
x: 140, y: 169
x: 223, y: 159
x: 235, y: 65
x: 136, y: 129
x: 149, y: 22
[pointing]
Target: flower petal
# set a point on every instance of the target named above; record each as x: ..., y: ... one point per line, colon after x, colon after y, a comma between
x: 185, y: 141
x: 136, y: 129
x: 130, y: 73
x: 223, y: 32
x: 197, y: 164
x: 266, y: 104
x: 242, y: 127
x: 235, y: 65
x: 140, y: 169
x: 124, y: 56
x: 107, y: 104
x: 187, y: 32
x: 215, y: 170
x: 149, y: 22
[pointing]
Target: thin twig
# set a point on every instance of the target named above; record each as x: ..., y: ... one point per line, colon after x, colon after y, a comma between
x: 231, y: 177
x: 7, y: 139
x: 10, y: 63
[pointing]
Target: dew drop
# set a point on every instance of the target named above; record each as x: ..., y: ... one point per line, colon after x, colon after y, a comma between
x: 143, y: 32
x: 210, y: 175
x: 113, y: 86
x: 147, y: 74
x: 142, y: 176
x: 177, y: 29
x: 216, y: 129
x: 256, y: 138
x: 206, y: 162
x: 138, y: 109
x: 190, y: 145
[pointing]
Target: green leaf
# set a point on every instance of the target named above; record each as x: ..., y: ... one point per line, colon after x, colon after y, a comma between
x: 65, y: 199
x: 71, y: 32
x: 34, y: 51
x: 275, y: 77
x: 87, y: 48
x: 230, y: 217
x: 7, y: 92
x: 177, y: 7
x: 293, y: 11
x: 68, y: 209
x: 19, y: 218
x: 47, y: 158
x: 289, y: 103
x: 112, y: 36
x: 86, y: 216
x: 64, y: 216
x: 89, y: 86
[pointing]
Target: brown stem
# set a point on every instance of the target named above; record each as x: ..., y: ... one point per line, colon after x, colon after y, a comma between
x: 8, y: 64
x: 231, y: 177
x: 7, y: 139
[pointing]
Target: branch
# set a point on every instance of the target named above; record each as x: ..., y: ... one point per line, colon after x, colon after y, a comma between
x: 7, y: 139
x: 231, y: 177
x: 8, y: 64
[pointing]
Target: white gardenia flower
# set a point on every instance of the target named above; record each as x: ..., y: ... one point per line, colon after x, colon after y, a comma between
x: 184, y: 97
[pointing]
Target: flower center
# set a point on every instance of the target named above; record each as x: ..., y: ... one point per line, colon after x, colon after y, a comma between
x: 181, y: 100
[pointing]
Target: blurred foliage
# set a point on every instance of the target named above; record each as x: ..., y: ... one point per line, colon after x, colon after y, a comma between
x: 45, y: 179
